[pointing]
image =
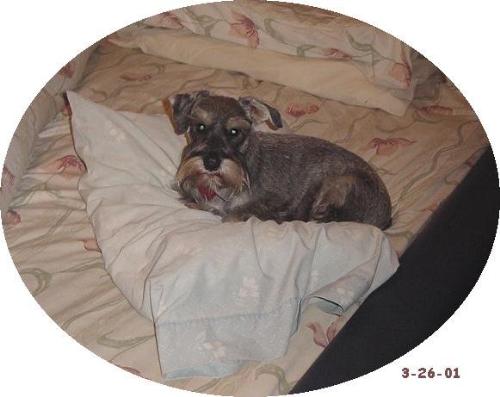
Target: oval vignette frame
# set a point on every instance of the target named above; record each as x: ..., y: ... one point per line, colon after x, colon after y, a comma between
x: 319, y: 4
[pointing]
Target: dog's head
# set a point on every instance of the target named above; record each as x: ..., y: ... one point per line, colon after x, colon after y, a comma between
x: 217, y: 129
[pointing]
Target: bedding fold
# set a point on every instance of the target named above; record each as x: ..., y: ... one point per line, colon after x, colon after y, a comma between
x: 44, y: 107
x: 302, y: 31
x: 321, y: 77
x: 220, y: 294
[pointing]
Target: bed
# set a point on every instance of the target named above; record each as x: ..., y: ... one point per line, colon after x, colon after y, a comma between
x: 420, y: 135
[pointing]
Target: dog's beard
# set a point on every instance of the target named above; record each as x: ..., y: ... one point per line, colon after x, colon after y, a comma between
x: 195, y: 182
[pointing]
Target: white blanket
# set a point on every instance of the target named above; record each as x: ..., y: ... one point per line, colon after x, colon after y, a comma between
x: 219, y: 294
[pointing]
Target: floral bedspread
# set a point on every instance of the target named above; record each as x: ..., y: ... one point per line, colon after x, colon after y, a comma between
x: 421, y: 156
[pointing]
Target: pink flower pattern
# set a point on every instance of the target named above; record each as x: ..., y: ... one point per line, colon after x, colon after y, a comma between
x: 8, y: 179
x: 91, y: 245
x: 386, y: 147
x: 401, y: 72
x: 299, y: 110
x: 244, y: 27
x: 334, y: 53
x: 67, y: 166
x: 67, y: 70
x: 320, y: 337
x: 166, y: 20
x: 12, y: 218
x: 436, y: 110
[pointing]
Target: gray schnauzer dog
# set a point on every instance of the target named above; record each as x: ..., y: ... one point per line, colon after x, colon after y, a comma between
x: 233, y: 169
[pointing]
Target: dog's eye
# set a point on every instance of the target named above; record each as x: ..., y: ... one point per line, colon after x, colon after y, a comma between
x: 201, y: 127
x: 234, y: 131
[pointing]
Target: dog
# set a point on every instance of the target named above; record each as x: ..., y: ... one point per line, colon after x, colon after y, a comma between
x: 233, y: 169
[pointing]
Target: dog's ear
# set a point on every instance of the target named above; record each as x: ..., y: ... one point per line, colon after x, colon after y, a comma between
x: 260, y: 112
x: 179, y: 106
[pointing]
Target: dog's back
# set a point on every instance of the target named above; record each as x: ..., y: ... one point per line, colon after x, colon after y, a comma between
x: 318, y: 179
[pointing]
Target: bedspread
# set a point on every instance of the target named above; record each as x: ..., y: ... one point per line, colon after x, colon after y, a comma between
x: 421, y: 156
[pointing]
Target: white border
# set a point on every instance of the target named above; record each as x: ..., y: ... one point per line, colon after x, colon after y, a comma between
x: 39, y: 37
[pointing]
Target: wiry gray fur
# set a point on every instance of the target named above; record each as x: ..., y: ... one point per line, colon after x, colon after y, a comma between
x: 282, y: 177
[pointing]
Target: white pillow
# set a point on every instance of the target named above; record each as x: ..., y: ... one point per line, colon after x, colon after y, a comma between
x: 219, y: 293
x: 339, y: 81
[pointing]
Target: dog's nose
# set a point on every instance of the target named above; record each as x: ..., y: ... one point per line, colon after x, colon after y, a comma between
x: 211, y: 161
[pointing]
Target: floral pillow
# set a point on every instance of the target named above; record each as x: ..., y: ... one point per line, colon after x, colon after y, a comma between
x: 302, y: 31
